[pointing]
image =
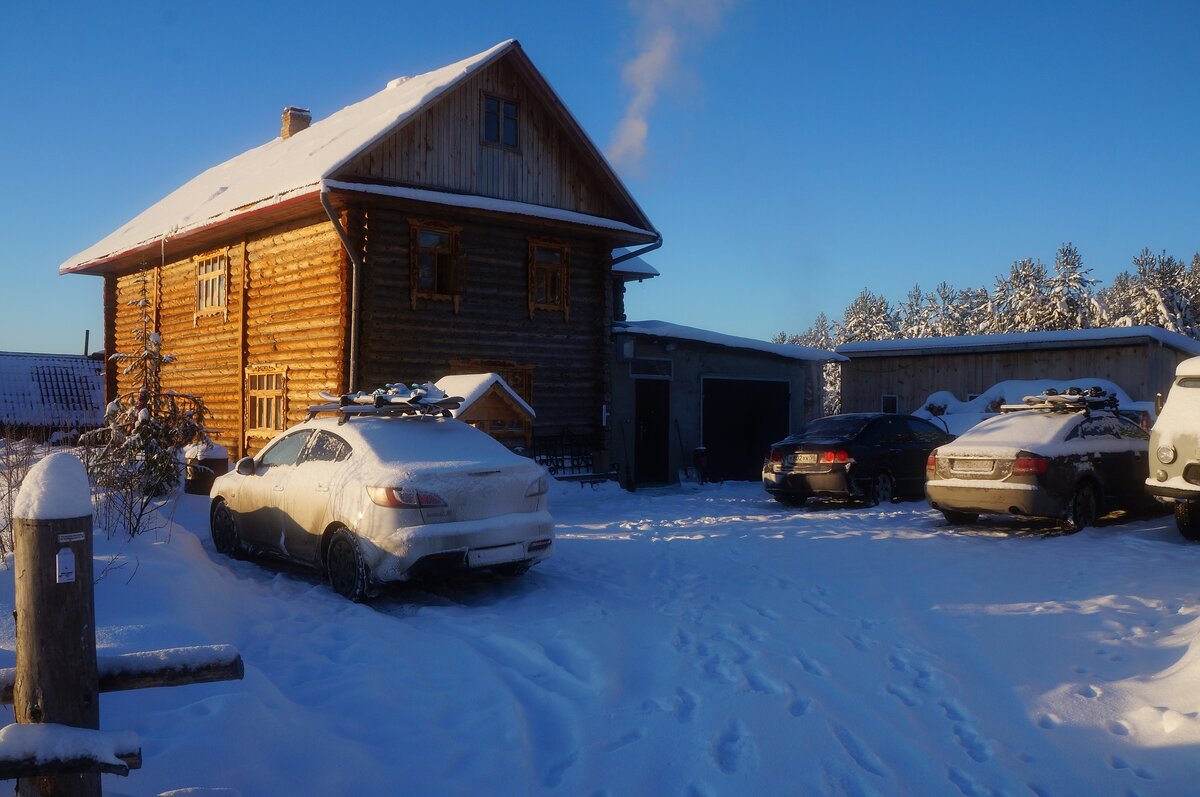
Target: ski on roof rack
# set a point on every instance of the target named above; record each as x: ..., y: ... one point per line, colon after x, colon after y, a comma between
x: 1073, y: 399
x: 390, y: 400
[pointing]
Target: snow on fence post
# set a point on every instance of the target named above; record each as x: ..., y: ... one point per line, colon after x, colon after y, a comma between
x: 56, y: 680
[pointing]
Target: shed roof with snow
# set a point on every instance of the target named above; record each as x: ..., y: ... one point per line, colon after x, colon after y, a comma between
x: 50, y: 391
x: 1013, y: 341
x: 667, y: 330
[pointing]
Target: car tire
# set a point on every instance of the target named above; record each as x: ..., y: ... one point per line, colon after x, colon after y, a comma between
x: 225, y: 528
x: 1187, y: 519
x: 1084, y: 508
x: 883, y: 489
x: 959, y: 518
x: 345, y: 567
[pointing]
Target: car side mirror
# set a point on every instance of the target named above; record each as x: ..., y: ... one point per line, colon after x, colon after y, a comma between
x: 245, y: 466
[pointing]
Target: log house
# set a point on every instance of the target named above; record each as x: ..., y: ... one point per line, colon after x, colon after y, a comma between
x: 459, y: 221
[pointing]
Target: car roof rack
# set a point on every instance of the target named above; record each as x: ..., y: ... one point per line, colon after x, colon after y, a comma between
x: 389, y: 401
x: 1073, y: 399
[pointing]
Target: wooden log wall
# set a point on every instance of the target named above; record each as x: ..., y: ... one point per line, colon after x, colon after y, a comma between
x: 569, y: 357
x: 292, y: 281
x: 442, y: 148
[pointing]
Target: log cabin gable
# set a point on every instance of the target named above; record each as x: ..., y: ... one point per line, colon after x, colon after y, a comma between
x: 501, y: 133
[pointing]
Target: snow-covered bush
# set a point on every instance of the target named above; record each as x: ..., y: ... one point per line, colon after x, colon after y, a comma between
x: 134, y: 461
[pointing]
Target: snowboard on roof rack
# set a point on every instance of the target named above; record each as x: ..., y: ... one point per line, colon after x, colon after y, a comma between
x: 397, y: 399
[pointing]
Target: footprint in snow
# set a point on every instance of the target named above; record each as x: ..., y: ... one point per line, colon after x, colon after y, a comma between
x: 625, y: 740
x: 810, y: 665
x: 903, y: 695
x: 1117, y: 762
x: 1089, y: 691
x: 965, y: 784
x: 859, y: 752
x: 1119, y: 728
x: 734, y: 749
x: 1049, y: 721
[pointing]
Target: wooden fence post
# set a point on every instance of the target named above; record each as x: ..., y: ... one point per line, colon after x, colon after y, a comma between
x: 56, y: 621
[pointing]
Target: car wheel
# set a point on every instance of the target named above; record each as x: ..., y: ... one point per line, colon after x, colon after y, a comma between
x: 345, y: 566
x: 959, y: 518
x: 1083, y: 508
x: 225, y: 528
x: 1187, y: 519
x: 883, y: 488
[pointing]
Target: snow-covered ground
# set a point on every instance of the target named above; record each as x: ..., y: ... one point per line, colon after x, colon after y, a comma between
x: 691, y: 641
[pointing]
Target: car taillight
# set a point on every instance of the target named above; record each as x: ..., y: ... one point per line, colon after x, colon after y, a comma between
x: 539, y: 486
x: 404, y: 497
x: 835, y: 456
x: 1030, y: 465
x: 931, y: 463
x: 775, y: 457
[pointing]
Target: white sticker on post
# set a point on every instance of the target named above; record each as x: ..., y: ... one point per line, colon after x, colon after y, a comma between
x: 66, y: 565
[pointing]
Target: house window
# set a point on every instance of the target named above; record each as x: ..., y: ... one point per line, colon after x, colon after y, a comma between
x: 500, y: 121
x: 889, y: 402
x: 266, y: 391
x: 212, y: 285
x: 549, y: 277
x: 435, y: 267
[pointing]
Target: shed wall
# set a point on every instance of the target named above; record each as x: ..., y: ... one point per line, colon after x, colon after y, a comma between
x: 1142, y: 370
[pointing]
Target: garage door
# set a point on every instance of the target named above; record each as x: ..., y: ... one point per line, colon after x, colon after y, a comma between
x: 741, y: 421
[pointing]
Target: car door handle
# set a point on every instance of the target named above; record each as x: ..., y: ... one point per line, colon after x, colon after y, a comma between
x: 278, y: 488
x: 322, y: 488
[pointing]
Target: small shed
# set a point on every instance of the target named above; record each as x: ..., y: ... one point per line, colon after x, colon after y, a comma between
x: 898, y: 375
x: 44, y: 395
x: 489, y: 404
x: 687, y: 400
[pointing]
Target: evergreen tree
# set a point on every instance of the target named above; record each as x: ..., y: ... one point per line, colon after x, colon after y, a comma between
x: 1072, y: 302
x: 914, y: 316
x: 1117, y: 301
x: 1020, y: 299
x: 869, y: 317
x: 1161, y: 297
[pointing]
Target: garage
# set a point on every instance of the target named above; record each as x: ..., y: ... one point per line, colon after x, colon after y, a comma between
x: 741, y: 419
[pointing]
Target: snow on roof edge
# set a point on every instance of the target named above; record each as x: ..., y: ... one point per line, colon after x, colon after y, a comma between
x: 1014, y: 339
x: 471, y: 387
x: 665, y: 329
x: 476, y: 202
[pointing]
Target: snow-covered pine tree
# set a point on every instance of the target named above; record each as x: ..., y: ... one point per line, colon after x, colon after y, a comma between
x: 1072, y: 302
x: 134, y: 461
x: 869, y: 317
x: 1019, y: 299
x: 914, y: 316
x: 1162, y: 295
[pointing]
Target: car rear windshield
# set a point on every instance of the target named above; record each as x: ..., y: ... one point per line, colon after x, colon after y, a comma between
x: 836, y: 427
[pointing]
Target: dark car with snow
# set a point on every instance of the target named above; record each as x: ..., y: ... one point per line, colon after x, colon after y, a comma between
x: 1070, y: 457
x: 872, y: 456
x: 384, y: 493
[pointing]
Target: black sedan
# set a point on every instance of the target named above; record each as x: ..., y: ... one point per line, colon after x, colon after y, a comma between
x: 869, y: 456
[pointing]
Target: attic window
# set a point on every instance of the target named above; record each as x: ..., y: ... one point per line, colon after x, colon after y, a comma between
x: 500, y: 121
x: 435, y: 266
x: 549, y: 277
x: 212, y: 285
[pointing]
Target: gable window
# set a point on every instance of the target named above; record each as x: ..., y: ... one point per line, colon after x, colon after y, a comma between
x: 265, y: 388
x: 212, y: 285
x: 435, y: 267
x: 549, y: 277
x: 500, y: 121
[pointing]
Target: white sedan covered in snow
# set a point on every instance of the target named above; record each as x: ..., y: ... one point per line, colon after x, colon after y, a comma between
x: 374, y: 499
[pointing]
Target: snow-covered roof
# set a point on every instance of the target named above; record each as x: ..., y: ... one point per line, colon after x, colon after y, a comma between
x: 471, y: 388
x: 487, y: 203
x: 664, y: 329
x: 1080, y: 338
x: 634, y: 267
x: 300, y: 165
x: 51, y: 390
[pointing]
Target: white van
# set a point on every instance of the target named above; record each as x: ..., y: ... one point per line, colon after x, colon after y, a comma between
x: 1175, y: 448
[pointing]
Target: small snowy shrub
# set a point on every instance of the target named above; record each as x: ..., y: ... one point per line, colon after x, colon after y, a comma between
x: 134, y: 461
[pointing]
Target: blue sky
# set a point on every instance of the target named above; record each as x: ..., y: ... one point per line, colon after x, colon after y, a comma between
x: 794, y: 153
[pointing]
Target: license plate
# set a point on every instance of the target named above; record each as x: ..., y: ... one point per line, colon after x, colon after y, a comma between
x: 973, y: 465
x: 484, y: 557
x: 803, y: 458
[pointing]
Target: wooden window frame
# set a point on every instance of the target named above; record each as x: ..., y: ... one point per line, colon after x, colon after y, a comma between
x: 457, y: 279
x: 502, y: 114
x: 560, y: 271
x: 274, y: 396
x: 212, y: 285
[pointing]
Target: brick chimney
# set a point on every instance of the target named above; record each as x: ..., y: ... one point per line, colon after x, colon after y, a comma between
x: 294, y: 120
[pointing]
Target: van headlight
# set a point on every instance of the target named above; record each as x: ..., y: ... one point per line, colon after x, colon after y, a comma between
x: 1166, y: 454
